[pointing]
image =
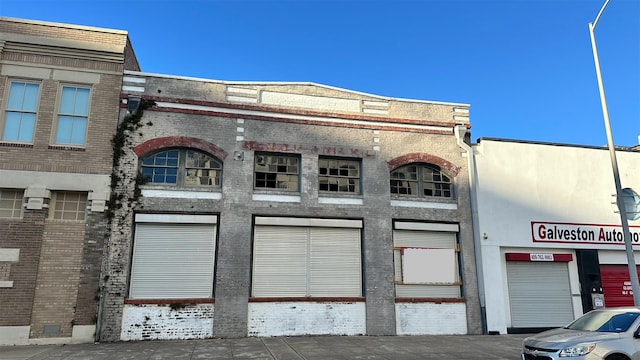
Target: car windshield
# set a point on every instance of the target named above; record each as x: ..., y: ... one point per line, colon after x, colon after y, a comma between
x: 604, y: 321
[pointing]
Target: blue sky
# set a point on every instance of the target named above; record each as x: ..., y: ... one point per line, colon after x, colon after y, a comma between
x: 525, y: 66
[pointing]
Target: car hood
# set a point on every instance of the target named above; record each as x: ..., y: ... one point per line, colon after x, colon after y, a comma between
x: 560, y: 338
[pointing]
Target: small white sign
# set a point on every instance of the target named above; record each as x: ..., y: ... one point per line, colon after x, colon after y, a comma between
x: 541, y: 257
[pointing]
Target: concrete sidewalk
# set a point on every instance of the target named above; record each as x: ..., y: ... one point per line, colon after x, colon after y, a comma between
x: 440, y: 347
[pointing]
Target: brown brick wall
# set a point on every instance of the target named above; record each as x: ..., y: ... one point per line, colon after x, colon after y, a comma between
x: 86, y: 303
x: 94, y: 158
x: 26, y: 235
x: 63, y: 31
x: 58, y: 277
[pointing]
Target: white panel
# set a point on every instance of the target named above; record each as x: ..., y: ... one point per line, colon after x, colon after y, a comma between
x: 421, y: 265
x: 431, y: 319
x: 276, y: 198
x: 182, y: 194
x: 424, y: 204
x: 539, y: 294
x: 242, y: 90
x: 309, y: 101
x: 282, y: 221
x: 163, y: 323
x: 375, y: 111
x: 76, y: 76
x: 279, y: 261
x: 14, y: 335
x: 9, y: 255
x: 242, y: 99
x: 25, y: 71
x: 340, y: 201
x: 172, y: 261
x: 307, y: 318
x: 375, y: 103
x: 175, y: 218
x: 131, y: 79
x: 126, y: 88
x: 335, y: 268
x: 405, y: 225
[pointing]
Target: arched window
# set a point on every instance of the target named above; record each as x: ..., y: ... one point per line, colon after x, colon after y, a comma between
x: 182, y: 167
x: 421, y: 180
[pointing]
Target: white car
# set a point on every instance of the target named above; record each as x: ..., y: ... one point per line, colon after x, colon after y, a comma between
x: 603, y: 334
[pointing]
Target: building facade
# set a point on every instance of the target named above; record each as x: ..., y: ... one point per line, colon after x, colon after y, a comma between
x: 59, y: 91
x: 551, y: 243
x: 272, y: 209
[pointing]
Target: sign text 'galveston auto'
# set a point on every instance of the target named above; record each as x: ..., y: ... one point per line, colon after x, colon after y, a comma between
x: 582, y: 233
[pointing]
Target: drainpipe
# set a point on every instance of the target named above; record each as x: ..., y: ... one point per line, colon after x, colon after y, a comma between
x: 460, y: 130
x: 99, y: 314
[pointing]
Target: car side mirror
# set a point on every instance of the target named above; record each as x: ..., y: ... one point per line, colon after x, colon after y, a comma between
x: 636, y: 334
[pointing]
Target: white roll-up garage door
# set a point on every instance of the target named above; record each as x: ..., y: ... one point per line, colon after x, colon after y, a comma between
x: 539, y: 294
x: 306, y: 258
x: 173, y: 260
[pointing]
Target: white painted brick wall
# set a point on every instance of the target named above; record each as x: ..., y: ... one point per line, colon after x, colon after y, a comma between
x: 307, y: 318
x: 160, y: 322
x: 431, y: 319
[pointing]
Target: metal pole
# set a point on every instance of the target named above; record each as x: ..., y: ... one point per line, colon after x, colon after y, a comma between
x: 633, y: 272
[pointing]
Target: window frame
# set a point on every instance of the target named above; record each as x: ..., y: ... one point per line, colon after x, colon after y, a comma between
x: 6, y: 110
x: 19, y: 201
x: 58, y: 114
x: 438, y: 185
x: 358, y: 179
x: 80, y: 211
x: 267, y: 180
x: 181, y: 172
x: 431, y: 243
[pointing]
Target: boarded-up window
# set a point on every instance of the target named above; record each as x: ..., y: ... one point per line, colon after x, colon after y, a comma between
x: 426, y: 261
x: 428, y: 266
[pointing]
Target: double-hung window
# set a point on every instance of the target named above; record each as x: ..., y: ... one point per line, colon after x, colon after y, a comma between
x: 11, y: 203
x: 182, y: 167
x: 68, y: 205
x: 421, y: 180
x: 73, y: 116
x: 276, y: 171
x: 21, y: 111
x: 339, y: 175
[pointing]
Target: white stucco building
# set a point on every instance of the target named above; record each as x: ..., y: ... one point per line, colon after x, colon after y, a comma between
x: 548, y: 234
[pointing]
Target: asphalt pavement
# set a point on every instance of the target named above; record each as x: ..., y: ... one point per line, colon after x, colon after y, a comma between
x: 440, y: 347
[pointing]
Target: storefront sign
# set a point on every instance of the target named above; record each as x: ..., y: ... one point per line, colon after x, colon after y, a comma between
x: 582, y: 233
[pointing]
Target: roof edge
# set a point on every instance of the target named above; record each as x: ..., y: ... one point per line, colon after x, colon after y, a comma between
x: 63, y: 25
x: 225, y: 82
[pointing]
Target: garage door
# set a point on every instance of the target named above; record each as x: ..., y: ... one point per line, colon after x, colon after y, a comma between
x: 539, y: 294
x: 616, y: 285
x: 173, y: 260
x: 306, y: 258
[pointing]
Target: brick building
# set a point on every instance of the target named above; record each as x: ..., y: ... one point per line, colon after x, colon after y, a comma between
x: 59, y: 90
x: 267, y: 209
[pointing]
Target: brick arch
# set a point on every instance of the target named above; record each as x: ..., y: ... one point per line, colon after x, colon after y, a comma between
x: 179, y: 141
x: 448, y: 166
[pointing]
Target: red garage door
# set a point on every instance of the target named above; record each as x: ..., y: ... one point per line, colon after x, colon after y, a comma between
x: 616, y: 285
